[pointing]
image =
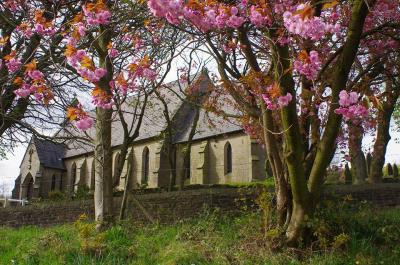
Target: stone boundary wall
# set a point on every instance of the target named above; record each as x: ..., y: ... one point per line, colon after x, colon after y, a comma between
x: 169, y: 207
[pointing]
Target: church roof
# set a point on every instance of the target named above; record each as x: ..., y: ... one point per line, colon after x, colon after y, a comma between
x: 154, y: 122
x: 50, y: 154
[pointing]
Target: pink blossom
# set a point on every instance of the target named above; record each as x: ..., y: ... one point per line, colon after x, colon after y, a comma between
x: 309, y: 67
x: 100, y: 72
x: 84, y: 123
x: 149, y: 74
x: 103, y: 17
x: 113, y: 53
x: 350, y: 108
x: 41, y: 30
x: 235, y: 21
x: 269, y: 103
x: 95, y: 19
x: 13, y: 65
x: 257, y: 19
x: 310, y: 27
x: 35, y: 74
x: 23, y: 92
x: 284, y: 100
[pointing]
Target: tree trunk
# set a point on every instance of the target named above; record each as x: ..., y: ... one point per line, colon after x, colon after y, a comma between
x: 358, y: 163
x: 281, y: 186
x: 103, y: 193
x: 381, y: 142
x: 126, y: 186
x: 103, y: 197
x: 188, y: 146
x: 305, y: 200
x: 383, y: 135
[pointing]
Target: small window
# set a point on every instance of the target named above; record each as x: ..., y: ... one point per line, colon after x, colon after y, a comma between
x: 53, y: 182
x: 73, y: 177
x: 145, y: 165
x: 187, y: 167
x: 228, y: 158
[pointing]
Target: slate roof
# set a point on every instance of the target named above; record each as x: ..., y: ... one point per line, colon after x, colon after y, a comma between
x: 154, y: 122
x: 50, y: 153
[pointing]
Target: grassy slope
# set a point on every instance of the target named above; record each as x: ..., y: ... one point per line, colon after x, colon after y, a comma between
x: 211, y: 239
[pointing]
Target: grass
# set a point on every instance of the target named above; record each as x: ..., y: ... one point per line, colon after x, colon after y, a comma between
x: 353, y: 234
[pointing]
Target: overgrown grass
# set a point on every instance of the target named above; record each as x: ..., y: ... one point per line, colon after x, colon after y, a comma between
x: 344, y: 233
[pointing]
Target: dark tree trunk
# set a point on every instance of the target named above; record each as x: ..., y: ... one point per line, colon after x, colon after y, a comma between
x: 383, y: 135
x: 358, y: 163
x: 381, y: 142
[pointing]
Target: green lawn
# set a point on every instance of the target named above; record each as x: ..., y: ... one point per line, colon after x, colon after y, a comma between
x: 343, y: 234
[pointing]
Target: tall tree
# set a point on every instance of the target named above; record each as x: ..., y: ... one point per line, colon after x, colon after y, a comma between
x: 269, y: 57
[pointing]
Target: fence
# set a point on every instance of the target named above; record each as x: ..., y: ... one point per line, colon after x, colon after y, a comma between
x: 6, y: 201
x: 169, y: 207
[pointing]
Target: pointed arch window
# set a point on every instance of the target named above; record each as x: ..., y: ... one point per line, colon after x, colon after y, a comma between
x: 228, y: 158
x: 73, y: 177
x: 53, y: 182
x: 145, y: 165
x: 29, y: 192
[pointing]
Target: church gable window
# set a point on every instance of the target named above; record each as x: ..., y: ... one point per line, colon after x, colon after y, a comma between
x: 228, y: 158
x: 145, y: 165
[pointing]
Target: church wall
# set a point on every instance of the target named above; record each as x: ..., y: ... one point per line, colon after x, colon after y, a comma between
x: 258, y: 159
x: 199, y: 162
x: 241, y: 159
x: 158, y: 174
x: 207, y: 165
x: 30, y: 167
x: 47, y: 181
x: 121, y: 182
x: 82, y: 173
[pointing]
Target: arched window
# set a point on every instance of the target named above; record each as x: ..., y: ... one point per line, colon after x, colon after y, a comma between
x: 116, y: 162
x: 53, y: 182
x: 145, y: 166
x: 29, y: 191
x: 73, y: 177
x: 228, y: 158
x: 187, y: 167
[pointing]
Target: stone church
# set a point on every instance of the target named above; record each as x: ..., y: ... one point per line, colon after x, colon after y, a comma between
x: 220, y: 151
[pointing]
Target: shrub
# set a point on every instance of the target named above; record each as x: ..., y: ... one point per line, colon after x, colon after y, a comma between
x: 82, y: 192
x: 347, y: 175
x: 389, y: 170
x: 56, y: 195
x: 395, y: 171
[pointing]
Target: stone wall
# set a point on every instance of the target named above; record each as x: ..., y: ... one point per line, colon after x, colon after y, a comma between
x: 168, y: 207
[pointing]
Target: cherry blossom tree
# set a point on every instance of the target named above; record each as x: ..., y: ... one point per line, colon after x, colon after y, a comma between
x: 293, y: 68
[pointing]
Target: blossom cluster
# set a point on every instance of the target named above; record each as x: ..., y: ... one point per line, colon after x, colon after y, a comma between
x: 304, y: 24
x: 274, y: 100
x: 350, y: 107
x: 206, y: 16
x: 34, y: 84
x: 79, y: 117
x: 308, y: 64
x: 94, y: 14
x: 38, y: 24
